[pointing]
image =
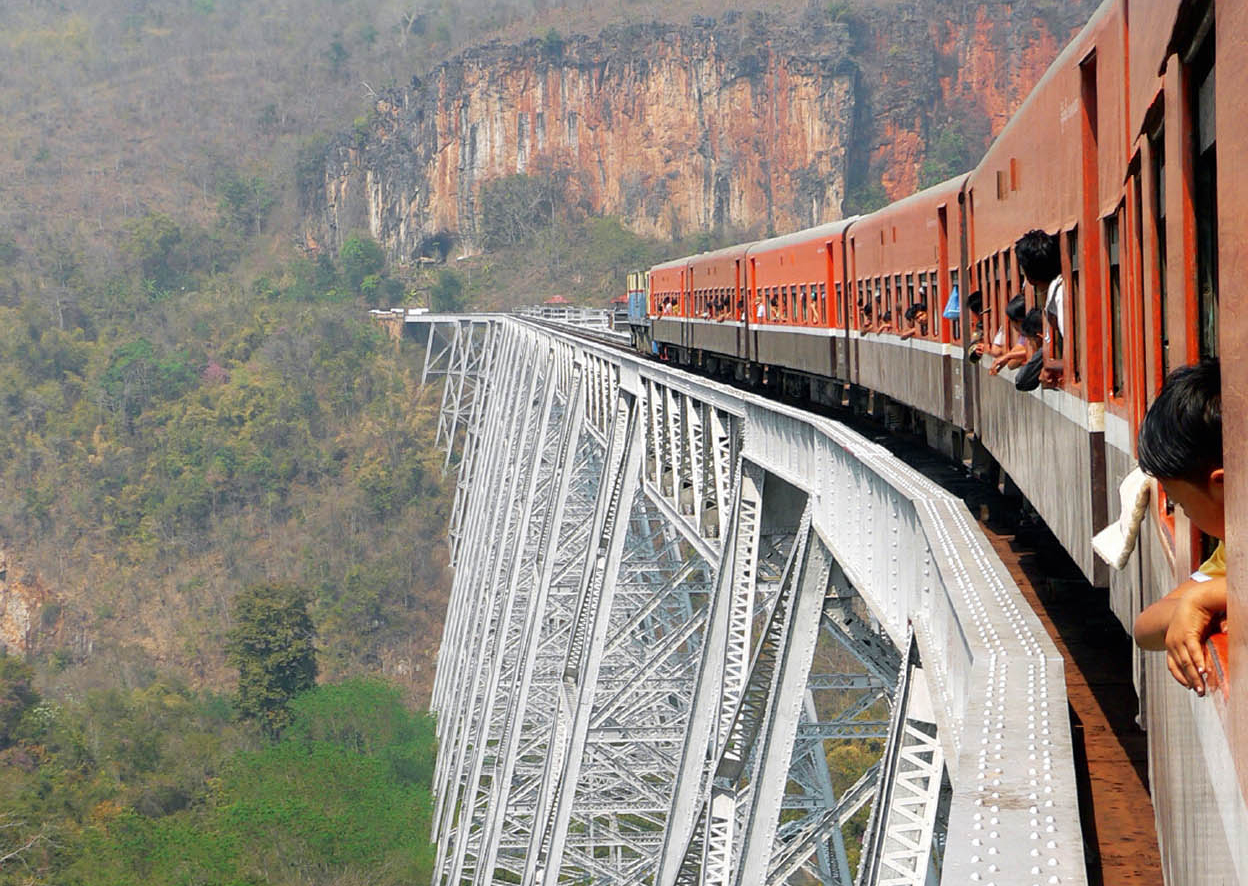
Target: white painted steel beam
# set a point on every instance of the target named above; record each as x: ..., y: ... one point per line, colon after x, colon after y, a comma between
x: 644, y: 565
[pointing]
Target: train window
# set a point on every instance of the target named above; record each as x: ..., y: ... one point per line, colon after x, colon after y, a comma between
x: 897, y: 309
x: 1072, y: 247
x: 1117, y: 376
x: 909, y: 290
x: 804, y: 305
x: 840, y: 304
x: 1157, y: 145
x: 1011, y: 289
x: 1206, y: 195
x: 953, y: 284
x: 998, y: 297
x: 824, y: 316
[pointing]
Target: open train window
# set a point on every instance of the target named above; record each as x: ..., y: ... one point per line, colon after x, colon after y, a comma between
x: 840, y: 303
x: 825, y: 317
x: 897, y: 308
x: 998, y: 296
x: 1072, y: 299
x: 1157, y: 151
x: 1206, y: 194
x: 1113, y: 262
x: 955, y: 324
x: 1011, y: 289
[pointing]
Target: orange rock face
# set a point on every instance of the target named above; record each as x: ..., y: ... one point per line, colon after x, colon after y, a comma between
x: 761, y: 126
x: 681, y: 136
x: 23, y: 610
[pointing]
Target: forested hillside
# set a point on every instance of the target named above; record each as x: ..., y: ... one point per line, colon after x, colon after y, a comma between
x: 195, y: 412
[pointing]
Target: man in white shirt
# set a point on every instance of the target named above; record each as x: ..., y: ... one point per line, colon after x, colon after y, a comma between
x: 1040, y: 259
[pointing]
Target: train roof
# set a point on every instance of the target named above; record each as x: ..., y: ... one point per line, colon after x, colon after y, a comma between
x: 797, y: 237
x: 671, y: 264
x: 905, y: 204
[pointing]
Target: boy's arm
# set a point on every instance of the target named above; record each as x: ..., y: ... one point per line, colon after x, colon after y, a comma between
x: 1179, y: 623
x: 1010, y: 359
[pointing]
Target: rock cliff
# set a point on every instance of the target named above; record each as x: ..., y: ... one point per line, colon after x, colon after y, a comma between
x: 762, y: 123
x: 27, y: 609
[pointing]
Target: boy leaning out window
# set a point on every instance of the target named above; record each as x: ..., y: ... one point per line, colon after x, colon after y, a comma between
x: 1180, y: 444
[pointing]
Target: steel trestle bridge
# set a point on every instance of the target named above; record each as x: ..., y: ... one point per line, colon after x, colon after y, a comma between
x: 675, y: 602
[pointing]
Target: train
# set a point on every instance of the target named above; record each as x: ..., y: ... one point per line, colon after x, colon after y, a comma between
x: 1115, y: 156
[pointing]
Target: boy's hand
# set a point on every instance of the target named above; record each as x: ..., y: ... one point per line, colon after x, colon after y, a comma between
x: 1195, y: 616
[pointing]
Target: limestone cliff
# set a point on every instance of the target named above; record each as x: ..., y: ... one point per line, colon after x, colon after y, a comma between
x: 764, y: 123
x: 27, y: 609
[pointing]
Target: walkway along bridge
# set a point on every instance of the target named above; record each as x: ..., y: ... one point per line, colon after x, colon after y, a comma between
x: 672, y: 599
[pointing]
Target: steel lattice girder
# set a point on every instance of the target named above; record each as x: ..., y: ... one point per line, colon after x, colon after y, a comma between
x: 642, y: 564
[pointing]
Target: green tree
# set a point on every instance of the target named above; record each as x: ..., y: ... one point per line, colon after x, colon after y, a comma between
x: 514, y: 208
x: 361, y: 258
x: 553, y: 44
x: 245, y: 203
x: 151, y: 246
x: 17, y: 694
x: 273, y: 646
x: 447, y: 292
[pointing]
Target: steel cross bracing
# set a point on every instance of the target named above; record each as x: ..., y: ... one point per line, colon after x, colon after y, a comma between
x: 640, y: 673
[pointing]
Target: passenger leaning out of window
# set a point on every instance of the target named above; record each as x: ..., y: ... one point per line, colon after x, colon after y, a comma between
x: 977, y: 311
x: 864, y: 307
x: 1040, y: 259
x: 1009, y: 346
x: 1180, y: 444
x: 916, y: 316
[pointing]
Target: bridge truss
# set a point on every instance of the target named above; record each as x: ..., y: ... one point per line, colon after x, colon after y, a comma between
x: 674, y: 603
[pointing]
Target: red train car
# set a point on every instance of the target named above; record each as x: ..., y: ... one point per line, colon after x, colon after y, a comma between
x: 1115, y: 154
x: 903, y: 254
x: 793, y: 299
x: 1062, y: 184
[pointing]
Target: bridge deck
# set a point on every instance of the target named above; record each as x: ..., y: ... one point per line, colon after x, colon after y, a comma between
x: 1115, y: 805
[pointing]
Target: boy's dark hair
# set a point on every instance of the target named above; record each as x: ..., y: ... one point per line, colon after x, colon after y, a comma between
x: 1016, y: 308
x: 1033, y: 323
x: 975, y: 302
x: 1039, y: 256
x: 886, y: 316
x: 911, y: 311
x: 1181, y: 435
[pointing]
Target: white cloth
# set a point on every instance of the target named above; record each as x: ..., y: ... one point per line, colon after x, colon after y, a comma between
x: 1053, y: 304
x: 1115, y: 542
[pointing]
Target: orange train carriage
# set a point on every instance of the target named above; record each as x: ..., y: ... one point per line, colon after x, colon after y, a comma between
x: 1115, y: 151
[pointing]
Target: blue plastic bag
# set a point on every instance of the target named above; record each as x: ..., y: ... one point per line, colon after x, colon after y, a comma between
x: 953, y: 309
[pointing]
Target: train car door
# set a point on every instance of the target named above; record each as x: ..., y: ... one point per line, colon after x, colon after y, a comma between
x: 741, y: 308
x: 751, y: 344
x: 851, y: 273
x: 965, y: 321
